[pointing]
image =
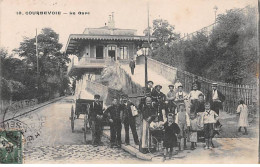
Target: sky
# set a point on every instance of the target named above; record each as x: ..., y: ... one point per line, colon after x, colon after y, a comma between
x: 186, y: 15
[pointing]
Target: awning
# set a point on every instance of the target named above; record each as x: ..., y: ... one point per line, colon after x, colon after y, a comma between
x: 75, y: 40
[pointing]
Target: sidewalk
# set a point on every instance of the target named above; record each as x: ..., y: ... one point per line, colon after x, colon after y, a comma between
x: 15, y: 114
x: 228, y: 150
x: 139, y: 77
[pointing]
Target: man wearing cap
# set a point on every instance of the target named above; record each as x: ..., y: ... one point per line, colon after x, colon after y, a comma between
x: 177, y: 84
x: 113, y: 115
x: 180, y: 95
x: 96, y: 117
x: 129, y: 120
x: 159, y: 99
x: 157, y: 95
x: 170, y: 98
x: 216, y: 98
x: 149, y: 86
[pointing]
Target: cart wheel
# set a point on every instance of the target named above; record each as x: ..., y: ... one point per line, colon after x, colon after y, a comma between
x: 152, y: 149
x: 72, y: 119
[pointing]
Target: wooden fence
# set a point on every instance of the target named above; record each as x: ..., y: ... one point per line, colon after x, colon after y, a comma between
x: 233, y: 93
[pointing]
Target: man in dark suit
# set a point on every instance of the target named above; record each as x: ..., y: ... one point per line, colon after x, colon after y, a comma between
x: 113, y: 114
x: 157, y: 95
x: 129, y: 120
x: 96, y: 117
x: 216, y: 98
x: 132, y: 66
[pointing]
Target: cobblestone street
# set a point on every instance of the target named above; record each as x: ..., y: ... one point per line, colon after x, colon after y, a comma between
x: 56, y: 143
x: 78, y: 154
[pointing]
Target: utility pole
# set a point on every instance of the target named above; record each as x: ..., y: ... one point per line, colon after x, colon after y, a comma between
x: 145, y: 55
x: 37, y: 58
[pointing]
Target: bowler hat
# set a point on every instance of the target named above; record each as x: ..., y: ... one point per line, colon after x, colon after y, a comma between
x: 171, y: 85
x: 158, y: 86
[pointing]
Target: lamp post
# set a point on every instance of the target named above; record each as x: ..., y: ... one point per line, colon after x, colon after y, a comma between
x: 145, y: 50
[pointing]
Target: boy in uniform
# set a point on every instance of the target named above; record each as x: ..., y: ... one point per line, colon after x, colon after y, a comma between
x: 209, y: 119
x: 183, y: 120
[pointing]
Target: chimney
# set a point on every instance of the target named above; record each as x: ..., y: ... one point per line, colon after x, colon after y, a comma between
x: 111, y: 22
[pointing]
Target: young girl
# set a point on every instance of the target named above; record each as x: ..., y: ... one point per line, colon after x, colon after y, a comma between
x: 242, y: 110
x: 170, y: 138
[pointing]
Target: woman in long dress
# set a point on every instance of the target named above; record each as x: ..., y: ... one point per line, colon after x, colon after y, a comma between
x: 242, y: 110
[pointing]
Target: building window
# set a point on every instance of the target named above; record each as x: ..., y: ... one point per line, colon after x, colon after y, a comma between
x: 112, y: 48
x: 112, y: 52
x: 123, y: 52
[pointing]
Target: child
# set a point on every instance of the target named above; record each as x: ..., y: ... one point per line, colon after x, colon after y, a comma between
x: 193, y: 130
x: 183, y: 121
x: 209, y: 119
x: 170, y: 138
x: 242, y: 110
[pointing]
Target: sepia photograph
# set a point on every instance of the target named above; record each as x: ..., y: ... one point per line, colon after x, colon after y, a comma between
x: 129, y: 82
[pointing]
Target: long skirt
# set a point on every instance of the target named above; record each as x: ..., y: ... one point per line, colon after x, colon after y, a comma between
x: 243, y: 119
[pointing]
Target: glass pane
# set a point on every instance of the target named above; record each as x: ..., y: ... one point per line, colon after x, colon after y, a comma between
x: 125, y: 52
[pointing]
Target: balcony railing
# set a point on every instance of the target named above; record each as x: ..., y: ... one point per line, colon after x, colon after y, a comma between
x: 89, y: 62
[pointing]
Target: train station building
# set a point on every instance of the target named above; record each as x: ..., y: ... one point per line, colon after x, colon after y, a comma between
x: 97, y: 48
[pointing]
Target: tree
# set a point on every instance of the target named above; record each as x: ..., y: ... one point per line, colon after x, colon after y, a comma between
x: 52, y: 62
x: 11, y: 74
x: 234, y: 46
x: 228, y: 54
x: 163, y: 31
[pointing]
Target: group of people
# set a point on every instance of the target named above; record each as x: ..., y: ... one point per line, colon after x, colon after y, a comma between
x: 167, y: 114
x: 116, y: 114
x: 180, y: 122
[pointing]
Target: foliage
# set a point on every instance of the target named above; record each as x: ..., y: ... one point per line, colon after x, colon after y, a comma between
x: 163, y: 31
x: 228, y: 54
x: 19, y: 75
